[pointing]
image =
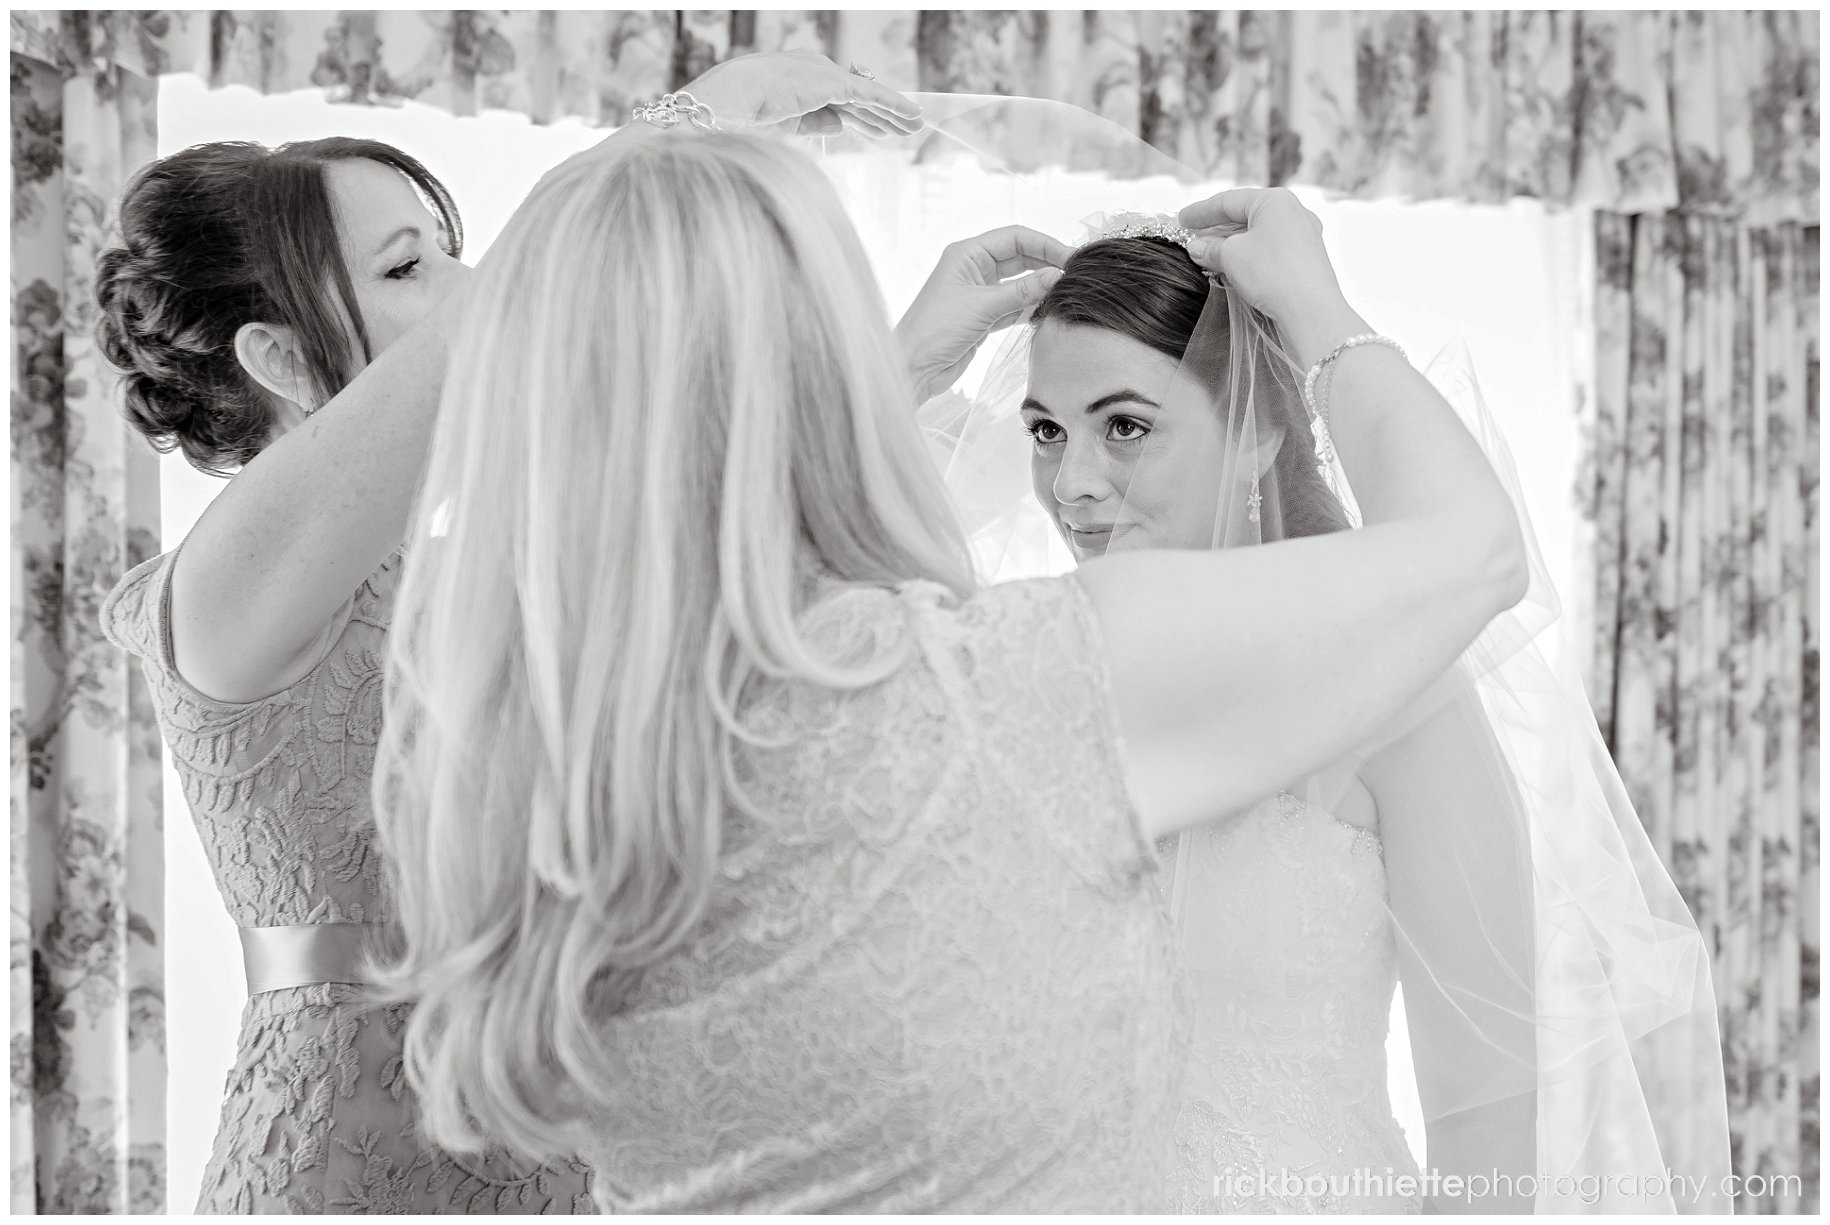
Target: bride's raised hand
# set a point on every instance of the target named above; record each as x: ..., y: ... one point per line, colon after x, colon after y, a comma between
x: 802, y: 93
x: 1267, y: 246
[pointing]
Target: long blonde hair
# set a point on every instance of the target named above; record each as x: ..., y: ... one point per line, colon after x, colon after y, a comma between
x: 675, y: 402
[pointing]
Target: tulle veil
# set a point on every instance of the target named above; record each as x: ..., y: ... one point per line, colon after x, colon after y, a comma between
x: 1547, y: 960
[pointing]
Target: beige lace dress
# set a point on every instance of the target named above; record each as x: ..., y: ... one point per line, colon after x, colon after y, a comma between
x: 316, y: 1116
x: 938, y: 975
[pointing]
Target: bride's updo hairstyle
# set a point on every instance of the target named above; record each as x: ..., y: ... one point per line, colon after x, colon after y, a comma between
x: 1148, y: 290
x: 221, y: 235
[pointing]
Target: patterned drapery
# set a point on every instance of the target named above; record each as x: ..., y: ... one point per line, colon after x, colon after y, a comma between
x: 1631, y: 111
x: 1711, y: 113
x: 1703, y: 498
x: 88, y: 976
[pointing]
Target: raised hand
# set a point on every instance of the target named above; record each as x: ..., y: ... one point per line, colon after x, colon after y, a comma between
x: 803, y: 93
x: 980, y: 285
x: 1266, y: 245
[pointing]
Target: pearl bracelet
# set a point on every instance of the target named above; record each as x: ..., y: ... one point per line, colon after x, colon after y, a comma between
x: 1324, y: 442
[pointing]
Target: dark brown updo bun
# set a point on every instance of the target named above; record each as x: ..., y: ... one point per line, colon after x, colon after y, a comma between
x: 221, y: 235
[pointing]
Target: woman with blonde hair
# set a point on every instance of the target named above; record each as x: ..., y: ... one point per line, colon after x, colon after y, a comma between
x: 744, y: 843
x: 282, y: 316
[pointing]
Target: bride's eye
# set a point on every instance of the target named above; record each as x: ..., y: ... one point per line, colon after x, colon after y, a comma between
x: 1044, y: 431
x: 1127, y: 429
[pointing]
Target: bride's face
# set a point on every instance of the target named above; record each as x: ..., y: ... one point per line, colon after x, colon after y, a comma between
x: 1095, y: 409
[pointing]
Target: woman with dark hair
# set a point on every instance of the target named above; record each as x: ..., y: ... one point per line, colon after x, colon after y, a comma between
x: 1288, y: 1072
x: 1147, y: 292
x: 231, y: 308
x: 283, y: 317
x: 1479, y: 848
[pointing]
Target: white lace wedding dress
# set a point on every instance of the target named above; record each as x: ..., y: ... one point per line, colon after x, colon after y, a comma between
x: 1292, y: 967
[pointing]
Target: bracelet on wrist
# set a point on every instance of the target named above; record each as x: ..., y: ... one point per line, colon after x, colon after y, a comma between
x: 1318, y: 409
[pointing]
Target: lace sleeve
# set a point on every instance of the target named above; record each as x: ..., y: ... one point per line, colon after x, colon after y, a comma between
x: 1031, y: 670
x: 134, y: 617
x: 137, y: 617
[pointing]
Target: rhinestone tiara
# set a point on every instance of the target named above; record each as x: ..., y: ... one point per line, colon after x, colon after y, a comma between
x: 1133, y: 226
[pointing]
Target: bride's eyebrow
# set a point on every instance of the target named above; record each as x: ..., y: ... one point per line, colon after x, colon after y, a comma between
x: 1122, y: 396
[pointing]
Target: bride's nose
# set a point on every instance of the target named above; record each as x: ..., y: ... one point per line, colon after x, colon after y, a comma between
x: 1083, y: 475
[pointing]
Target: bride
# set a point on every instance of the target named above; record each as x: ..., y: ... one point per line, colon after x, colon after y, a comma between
x: 1483, y: 851
x: 1283, y: 906
x: 1159, y: 412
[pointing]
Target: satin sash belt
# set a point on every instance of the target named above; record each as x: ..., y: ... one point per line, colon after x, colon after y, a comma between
x: 307, y: 953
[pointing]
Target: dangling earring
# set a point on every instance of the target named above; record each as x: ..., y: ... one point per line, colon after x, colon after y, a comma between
x: 1253, y: 500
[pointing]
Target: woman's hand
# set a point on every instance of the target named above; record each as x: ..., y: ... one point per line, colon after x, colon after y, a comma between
x: 788, y: 92
x: 967, y: 297
x: 802, y: 93
x: 1266, y: 245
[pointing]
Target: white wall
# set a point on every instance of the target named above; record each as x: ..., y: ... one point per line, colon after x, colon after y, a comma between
x: 1503, y: 280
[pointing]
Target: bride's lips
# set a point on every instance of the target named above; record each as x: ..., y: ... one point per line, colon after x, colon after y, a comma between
x: 1093, y: 537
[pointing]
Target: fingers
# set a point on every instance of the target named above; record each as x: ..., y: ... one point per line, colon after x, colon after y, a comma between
x: 1205, y: 250
x: 875, y: 121
x: 867, y: 122
x: 823, y: 122
x: 790, y: 85
x: 882, y: 124
x: 1021, y: 241
x: 1008, y: 268
x: 899, y: 124
x: 868, y: 93
x: 1005, y: 302
x: 1011, y: 249
x: 1229, y: 208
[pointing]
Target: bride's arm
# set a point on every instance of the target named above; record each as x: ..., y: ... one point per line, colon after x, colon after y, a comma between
x: 1237, y: 670
x: 285, y: 543
x: 1459, y: 882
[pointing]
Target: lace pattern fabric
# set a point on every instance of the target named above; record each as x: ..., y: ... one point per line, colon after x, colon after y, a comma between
x: 1291, y: 967
x: 938, y: 976
x: 316, y: 1116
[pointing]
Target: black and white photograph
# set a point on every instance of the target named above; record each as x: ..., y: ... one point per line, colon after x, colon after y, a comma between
x: 950, y: 611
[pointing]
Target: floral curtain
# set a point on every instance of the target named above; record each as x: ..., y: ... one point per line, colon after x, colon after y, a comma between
x: 88, y: 1004
x: 1703, y: 498
x: 1633, y: 111
x: 1711, y: 113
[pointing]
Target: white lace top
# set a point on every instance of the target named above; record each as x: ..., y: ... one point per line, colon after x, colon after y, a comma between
x: 939, y: 975
x: 1291, y: 969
